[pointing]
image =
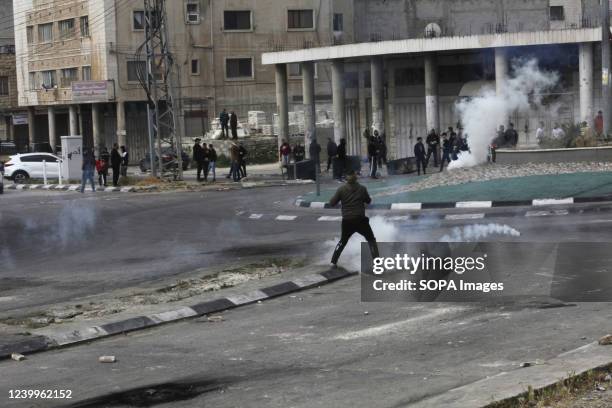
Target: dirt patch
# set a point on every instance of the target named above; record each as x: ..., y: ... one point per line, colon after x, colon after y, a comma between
x: 177, y: 291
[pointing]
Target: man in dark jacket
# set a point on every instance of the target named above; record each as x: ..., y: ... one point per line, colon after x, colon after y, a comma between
x: 212, y: 159
x: 342, y: 160
x: 224, y: 120
x: 446, y: 151
x: 511, y: 136
x: 233, y: 122
x: 115, y: 159
x: 332, y: 151
x: 198, y: 157
x: 433, y: 142
x: 420, y: 155
x: 88, y: 167
x: 242, y: 151
x: 206, y: 161
x: 373, y: 156
x: 354, y: 198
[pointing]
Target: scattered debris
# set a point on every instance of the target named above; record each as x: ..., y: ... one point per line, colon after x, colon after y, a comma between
x: 608, y: 378
x: 17, y: 357
x: 214, y: 319
x: 107, y: 359
x: 605, y: 340
x: 366, y: 313
x: 600, y: 388
x: 526, y: 364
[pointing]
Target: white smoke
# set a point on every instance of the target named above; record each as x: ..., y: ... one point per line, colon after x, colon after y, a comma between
x: 74, y: 222
x: 477, y: 232
x: 482, y: 115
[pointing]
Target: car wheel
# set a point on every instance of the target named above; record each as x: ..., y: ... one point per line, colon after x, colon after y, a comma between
x: 20, y: 176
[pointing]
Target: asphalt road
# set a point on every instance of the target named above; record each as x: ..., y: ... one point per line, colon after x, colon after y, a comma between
x: 318, y: 348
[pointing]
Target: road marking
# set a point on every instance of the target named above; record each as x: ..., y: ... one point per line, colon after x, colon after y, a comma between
x: 474, y: 204
x: 399, y: 218
x: 395, y: 327
x: 406, y: 206
x: 537, y: 213
x: 561, y: 212
x: 317, y: 204
x: 553, y: 201
x: 286, y: 217
x: 256, y: 216
x: 330, y: 218
x: 464, y: 216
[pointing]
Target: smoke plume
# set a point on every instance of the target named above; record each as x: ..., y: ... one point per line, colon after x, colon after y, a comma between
x: 482, y: 115
x: 477, y: 232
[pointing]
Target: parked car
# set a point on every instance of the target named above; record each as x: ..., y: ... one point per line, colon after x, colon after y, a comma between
x: 22, y: 167
x: 1, y: 177
x: 168, y: 158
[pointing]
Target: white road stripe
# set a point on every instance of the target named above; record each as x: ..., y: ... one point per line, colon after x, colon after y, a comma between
x: 474, y: 204
x: 330, y: 218
x: 553, y: 201
x: 464, y: 216
x: 537, y: 213
x: 286, y: 217
x: 256, y: 216
x: 317, y: 204
x: 406, y: 206
x: 399, y: 218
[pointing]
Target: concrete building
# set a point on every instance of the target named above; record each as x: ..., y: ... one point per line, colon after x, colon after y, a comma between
x: 411, y: 61
x: 77, y: 62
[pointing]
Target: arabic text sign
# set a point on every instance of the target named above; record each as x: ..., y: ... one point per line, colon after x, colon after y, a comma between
x: 90, y: 91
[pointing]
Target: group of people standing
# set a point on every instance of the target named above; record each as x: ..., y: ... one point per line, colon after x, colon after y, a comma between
x: 205, y: 157
x: 238, y: 156
x: 286, y: 153
x: 229, y: 121
x: 117, y: 160
x: 449, y: 143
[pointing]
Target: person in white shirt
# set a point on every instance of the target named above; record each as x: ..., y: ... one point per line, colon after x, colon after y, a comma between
x: 540, y: 132
x: 558, y: 132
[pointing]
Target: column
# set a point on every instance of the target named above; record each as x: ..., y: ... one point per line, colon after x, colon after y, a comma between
x: 121, y: 132
x: 338, y: 100
x: 378, y: 95
x: 74, y: 124
x: 95, y: 122
x: 501, y: 69
x: 10, y: 127
x: 432, y: 111
x: 31, y: 125
x: 52, y: 134
x: 586, y: 82
x: 282, y: 103
x: 310, y: 115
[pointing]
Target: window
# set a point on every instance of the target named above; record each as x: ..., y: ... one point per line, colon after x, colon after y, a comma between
x: 66, y: 28
x: 30, y: 34
x: 85, y: 26
x: 48, y: 79
x: 135, y: 69
x: 237, y: 20
x: 138, y: 20
x: 557, y: 13
x: 45, y: 33
x: 239, y: 68
x: 32, y: 79
x: 4, y: 85
x: 86, y: 73
x: 195, y: 67
x: 192, y: 13
x: 300, y: 19
x: 69, y: 75
x: 38, y: 158
x: 295, y: 70
x: 338, y: 22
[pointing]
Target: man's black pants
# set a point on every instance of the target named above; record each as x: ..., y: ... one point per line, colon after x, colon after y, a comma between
x: 432, y: 150
x: 355, y: 225
x: 116, y: 175
x: 421, y: 162
x: 200, y: 168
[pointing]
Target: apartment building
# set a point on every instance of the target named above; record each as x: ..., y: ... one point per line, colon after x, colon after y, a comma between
x: 78, y: 62
x: 9, y: 110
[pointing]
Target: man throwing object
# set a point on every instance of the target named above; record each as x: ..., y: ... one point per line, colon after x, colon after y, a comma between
x: 354, y: 198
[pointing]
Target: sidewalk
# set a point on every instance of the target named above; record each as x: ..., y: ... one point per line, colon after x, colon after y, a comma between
x: 488, y: 183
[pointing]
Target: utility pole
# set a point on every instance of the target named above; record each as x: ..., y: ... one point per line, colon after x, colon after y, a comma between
x: 159, y: 84
x: 605, y: 65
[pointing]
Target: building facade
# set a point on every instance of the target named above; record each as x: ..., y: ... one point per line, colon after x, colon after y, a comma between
x: 78, y: 62
x: 411, y: 61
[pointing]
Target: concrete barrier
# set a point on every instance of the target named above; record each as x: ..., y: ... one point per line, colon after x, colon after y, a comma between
x: 579, y: 154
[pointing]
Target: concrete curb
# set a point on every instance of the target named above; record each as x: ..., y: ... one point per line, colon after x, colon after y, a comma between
x: 66, y: 338
x: 77, y: 187
x: 510, y: 385
x: 465, y: 204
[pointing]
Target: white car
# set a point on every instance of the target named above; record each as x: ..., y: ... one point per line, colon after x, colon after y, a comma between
x: 21, y: 167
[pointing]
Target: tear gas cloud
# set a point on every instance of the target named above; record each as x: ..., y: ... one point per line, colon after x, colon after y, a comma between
x: 482, y: 115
